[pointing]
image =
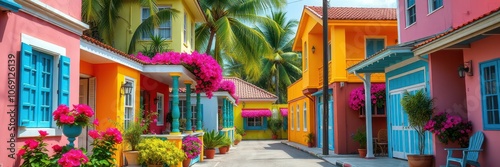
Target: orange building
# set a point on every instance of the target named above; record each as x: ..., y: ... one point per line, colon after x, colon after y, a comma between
x: 353, y: 35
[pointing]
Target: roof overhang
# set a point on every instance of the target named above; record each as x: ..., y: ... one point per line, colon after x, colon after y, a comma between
x: 224, y: 94
x: 94, y: 54
x: 162, y: 73
x: 258, y: 100
x: 378, y: 62
x: 195, y: 8
x: 489, y: 25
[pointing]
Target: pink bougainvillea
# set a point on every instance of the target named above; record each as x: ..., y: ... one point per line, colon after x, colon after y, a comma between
x: 206, y: 69
x: 450, y: 128
x: 255, y: 113
x: 73, y: 158
x: 230, y: 88
x: 357, y: 96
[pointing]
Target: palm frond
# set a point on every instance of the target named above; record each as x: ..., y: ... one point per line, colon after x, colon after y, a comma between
x: 147, y: 26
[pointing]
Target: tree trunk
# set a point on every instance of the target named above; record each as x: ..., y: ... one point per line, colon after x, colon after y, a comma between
x: 210, y: 39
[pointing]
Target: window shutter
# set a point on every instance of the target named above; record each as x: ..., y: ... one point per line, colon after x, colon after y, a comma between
x: 27, y: 88
x: 92, y: 96
x: 64, y: 82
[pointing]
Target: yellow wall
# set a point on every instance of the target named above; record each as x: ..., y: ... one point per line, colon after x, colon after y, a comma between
x: 256, y: 134
x: 299, y: 135
x: 109, y: 102
x: 132, y: 13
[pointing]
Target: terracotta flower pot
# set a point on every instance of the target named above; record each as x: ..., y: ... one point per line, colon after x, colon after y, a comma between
x: 210, y: 153
x: 362, y: 153
x: 228, y: 148
x: 155, y: 165
x: 236, y: 142
x: 132, y: 157
x: 274, y: 137
x: 186, y: 162
x: 223, y: 150
x: 420, y: 160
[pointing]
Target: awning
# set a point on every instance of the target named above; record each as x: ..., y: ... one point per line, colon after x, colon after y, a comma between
x: 385, y: 58
x: 252, y: 113
x: 9, y: 5
x: 284, y: 112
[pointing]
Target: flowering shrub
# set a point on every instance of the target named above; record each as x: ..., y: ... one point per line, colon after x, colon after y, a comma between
x: 191, y: 145
x: 73, y: 158
x: 357, y: 96
x: 79, y: 115
x: 206, y: 69
x: 34, y: 151
x: 104, y: 146
x: 230, y: 88
x: 449, y: 128
x: 158, y: 152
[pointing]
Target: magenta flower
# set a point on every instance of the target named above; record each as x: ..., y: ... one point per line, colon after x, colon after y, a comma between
x: 96, y: 122
x: 43, y: 133
x: 73, y: 158
x: 450, y: 128
x: 191, y: 145
x: 57, y: 148
x: 79, y: 115
x: 21, y: 152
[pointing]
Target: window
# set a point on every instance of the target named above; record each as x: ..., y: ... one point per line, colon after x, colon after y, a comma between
x: 434, y: 5
x: 291, y: 119
x: 256, y: 123
x: 298, y: 117
x: 185, y: 28
x: 305, y: 116
x: 329, y: 51
x: 490, y: 94
x: 160, y: 107
x: 129, y: 105
x: 43, y: 85
x: 373, y: 45
x: 192, y: 36
x: 164, y: 30
x: 183, y: 111
x: 411, y: 14
x: 305, y: 56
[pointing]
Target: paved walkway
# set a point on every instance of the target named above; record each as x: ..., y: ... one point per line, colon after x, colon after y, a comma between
x: 349, y: 160
x: 263, y: 153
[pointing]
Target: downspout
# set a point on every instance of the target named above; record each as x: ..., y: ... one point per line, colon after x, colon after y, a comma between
x: 368, y: 114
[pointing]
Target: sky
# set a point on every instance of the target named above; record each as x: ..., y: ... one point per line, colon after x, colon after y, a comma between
x: 294, y: 7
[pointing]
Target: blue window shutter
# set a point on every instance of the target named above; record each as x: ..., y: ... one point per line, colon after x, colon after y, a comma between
x: 373, y: 46
x: 45, y: 65
x: 369, y: 47
x: 27, y: 88
x: 489, y: 92
x: 64, y: 82
x: 245, y: 124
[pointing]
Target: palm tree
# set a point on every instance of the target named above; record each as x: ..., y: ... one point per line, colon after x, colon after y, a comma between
x: 226, y: 27
x: 283, y: 65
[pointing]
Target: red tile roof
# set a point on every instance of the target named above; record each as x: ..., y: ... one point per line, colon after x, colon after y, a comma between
x: 246, y: 90
x: 456, y: 28
x: 110, y: 48
x: 351, y: 13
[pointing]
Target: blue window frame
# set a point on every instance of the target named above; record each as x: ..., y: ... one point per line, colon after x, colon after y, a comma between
x: 435, y: 4
x: 36, y: 82
x: 411, y: 12
x: 490, y: 100
x: 257, y: 123
x: 373, y: 45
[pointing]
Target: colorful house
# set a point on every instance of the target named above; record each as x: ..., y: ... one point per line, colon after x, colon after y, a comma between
x: 354, y: 34
x: 254, y: 108
x: 428, y: 57
x: 40, y: 70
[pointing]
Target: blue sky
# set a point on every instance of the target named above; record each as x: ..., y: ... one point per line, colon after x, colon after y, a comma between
x: 295, y: 7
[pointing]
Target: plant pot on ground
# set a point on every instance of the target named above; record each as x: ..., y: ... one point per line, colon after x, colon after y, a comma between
x: 191, y: 146
x: 151, y: 156
x: 419, y: 108
x: 310, y: 140
x: 237, y: 139
x: 132, y: 136
x: 275, y: 125
x: 225, y: 144
x: 212, y: 140
x: 360, y: 137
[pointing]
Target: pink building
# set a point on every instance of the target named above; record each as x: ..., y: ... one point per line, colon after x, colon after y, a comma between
x: 40, y: 48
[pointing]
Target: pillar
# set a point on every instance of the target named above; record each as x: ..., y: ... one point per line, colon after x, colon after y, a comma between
x: 368, y: 113
x: 175, y: 103
x: 198, y: 113
x: 189, y: 113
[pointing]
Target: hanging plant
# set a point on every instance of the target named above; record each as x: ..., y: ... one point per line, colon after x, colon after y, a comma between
x: 357, y: 96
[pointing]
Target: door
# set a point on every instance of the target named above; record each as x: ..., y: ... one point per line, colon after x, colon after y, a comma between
x: 319, y: 109
x: 403, y: 140
x: 330, y: 122
x: 87, y: 96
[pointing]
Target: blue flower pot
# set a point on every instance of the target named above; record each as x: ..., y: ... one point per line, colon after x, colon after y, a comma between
x: 72, y: 131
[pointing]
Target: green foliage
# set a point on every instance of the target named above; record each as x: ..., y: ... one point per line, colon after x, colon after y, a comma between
x: 238, y: 137
x: 226, y: 141
x: 154, y: 151
x: 212, y: 139
x: 157, y: 45
x: 240, y: 131
x: 310, y: 138
x: 419, y: 108
x: 360, y: 137
x: 275, y: 125
x: 102, y: 154
x: 132, y: 135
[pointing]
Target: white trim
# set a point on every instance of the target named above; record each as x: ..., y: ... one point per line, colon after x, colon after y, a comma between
x: 407, y: 14
x: 107, y: 54
x: 408, y: 72
x: 42, y: 45
x: 291, y: 119
x: 132, y: 95
x: 401, y: 64
x: 52, y: 15
x: 298, y: 117
x: 398, y: 21
x: 430, y: 6
x: 162, y: 102
x: 304, y: 115
x: 408, y: 88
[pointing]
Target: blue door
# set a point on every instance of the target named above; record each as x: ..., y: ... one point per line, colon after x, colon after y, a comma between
x: 403, y: 140
x: 319, y: 109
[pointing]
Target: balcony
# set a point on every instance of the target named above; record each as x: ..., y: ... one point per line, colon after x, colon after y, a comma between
x: 320, y: 74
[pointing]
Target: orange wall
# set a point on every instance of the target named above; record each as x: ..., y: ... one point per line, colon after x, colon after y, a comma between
x: 299, y: 135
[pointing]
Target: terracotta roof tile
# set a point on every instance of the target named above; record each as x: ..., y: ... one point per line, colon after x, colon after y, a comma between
x: 456, y: 28
x: 110, y: 48
x: 246, y: 90
x: 352, y: 13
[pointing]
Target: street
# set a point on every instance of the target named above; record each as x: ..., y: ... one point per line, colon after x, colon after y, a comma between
x: 263, y: 153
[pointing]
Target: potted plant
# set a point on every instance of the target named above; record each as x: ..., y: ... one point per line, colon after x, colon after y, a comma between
x: 237, y: 139
x: 450, y: 128
x: 240, y: 131
x: 310, y: 140
x: 419, y: 108
x: 360, y: 137
x: 211, y: 140
x: 225, y: 143
x: 191, y: 145
x: 132, y: 136
x: 156, y: 152
x: 275, y: 125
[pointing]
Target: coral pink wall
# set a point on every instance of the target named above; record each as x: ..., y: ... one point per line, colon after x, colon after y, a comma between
x: 467, y: 10
x: 448, y: 90
x: 483, y: 50
x: 11, y: 27
x: 72, y: 8
x: 347, y: 121
x: 153, y: 87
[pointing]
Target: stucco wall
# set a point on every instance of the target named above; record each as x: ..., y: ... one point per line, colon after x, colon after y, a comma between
x: 255, y: 134
x: 299, y: 135
x: 153, y: 87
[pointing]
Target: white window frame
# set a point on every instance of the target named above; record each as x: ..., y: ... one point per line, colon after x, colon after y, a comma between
x: 431, y: 6
x: 56, y: 51
x: 292, y: 123
x: 304, y: 119
x: 131, y: 116
x: 185, y: 28
x: 408, y: 24
x: 157, y: 30
x: 305, y: 56
x: 254, y: 122
x: 160, y: 108
x: 298, y: 117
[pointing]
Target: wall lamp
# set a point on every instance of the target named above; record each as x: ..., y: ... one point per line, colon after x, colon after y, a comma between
x: 313, y: 49
x: 464, y: 69
x: 126, y: 88
x: 156, y: 100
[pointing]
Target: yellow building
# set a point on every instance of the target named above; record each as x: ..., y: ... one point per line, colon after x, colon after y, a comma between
x: 353, y: 35
x: 178, y: 32
x: 255, y: 107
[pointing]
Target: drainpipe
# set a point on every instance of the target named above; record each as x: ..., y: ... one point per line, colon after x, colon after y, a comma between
x: 368, y: 114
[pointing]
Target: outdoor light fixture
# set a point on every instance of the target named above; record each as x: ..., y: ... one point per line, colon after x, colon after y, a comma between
x: 466, y: 68
x: 156, y: 100
x: 126, y: 88
x: 313, y: 49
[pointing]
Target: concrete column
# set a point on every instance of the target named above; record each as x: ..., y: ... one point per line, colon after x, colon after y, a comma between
x: 175, y: 103
x: 198, y: 114
x: 368, y: 113
x: 189, y: 113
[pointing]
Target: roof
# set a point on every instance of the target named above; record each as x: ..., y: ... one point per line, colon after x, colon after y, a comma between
x: 457, y: 28
x: 352, y: 13
x: 246, y: 90
x: 110, y: 48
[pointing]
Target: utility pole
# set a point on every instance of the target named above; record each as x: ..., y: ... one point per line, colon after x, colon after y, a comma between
x: 325, y: 77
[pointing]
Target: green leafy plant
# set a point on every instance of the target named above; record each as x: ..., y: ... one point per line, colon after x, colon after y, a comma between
x: 212, y: 140
x: 132, y: 134
x: 158, y: 152
x: 104, y: 147
x: 33, y: 152
x: 238, y: 137
x: 310, y: 138
x: 275, y: 125
x: 360, y: 137
x: 226, y: 141
x: 157, y: 45
x: 240, y: 131
x: 419, y: 108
